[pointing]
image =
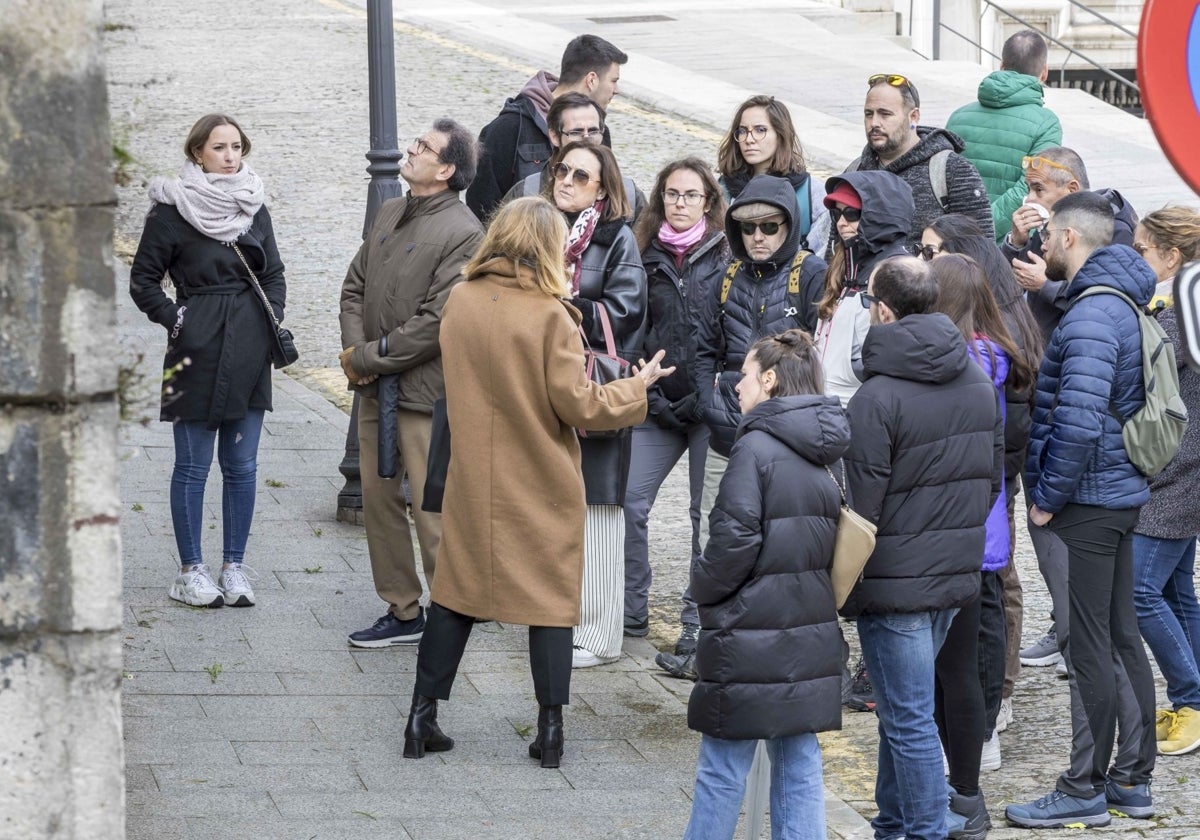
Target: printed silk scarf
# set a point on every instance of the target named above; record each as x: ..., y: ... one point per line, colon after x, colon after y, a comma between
x: 221, y: 207
x: 578, y: 240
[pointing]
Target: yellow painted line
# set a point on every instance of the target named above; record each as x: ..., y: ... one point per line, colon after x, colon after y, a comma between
x: 623, y: 107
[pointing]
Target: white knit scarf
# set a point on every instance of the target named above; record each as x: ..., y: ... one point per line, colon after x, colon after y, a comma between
x: 219, y: 206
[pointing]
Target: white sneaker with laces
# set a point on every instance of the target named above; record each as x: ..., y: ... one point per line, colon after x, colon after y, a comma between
x: 195, y: 588
x: 234, y: 582
x: 1006, y: 715
x: 989, y: 759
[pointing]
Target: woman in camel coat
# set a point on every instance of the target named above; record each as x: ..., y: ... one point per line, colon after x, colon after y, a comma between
x: 513, y: 513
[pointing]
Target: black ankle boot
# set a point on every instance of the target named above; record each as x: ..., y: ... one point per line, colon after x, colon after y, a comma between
x: 548, y: 744
x: 422, y: 732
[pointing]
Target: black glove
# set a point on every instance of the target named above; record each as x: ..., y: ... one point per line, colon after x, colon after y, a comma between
x: 687, y: 408
x: 666, y: 419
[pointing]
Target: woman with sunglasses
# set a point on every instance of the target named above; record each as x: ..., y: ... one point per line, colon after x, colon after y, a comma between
x: 872, y: 211
x: 684, y: 251
x: 606, y: 273
x: 969, y: 669
x: 762, y: 141
x: 1164, y: 541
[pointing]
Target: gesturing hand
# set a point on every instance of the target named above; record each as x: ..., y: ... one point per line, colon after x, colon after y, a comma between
x: 652, y: 371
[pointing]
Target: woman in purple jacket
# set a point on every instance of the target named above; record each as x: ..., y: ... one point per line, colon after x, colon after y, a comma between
x: 970, y: 665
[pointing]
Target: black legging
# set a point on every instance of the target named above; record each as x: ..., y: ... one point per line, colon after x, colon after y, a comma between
x: 445, y: 639
x: 958, y: 699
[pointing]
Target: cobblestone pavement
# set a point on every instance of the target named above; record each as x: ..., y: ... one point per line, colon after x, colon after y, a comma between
x: 294, y: 73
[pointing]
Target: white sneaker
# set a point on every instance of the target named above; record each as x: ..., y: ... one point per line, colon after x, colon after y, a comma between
x: 234, y: 582
x: 582, y: 658
x: 989, y: 759
x: 196, y: 588
x: 1005, y: 717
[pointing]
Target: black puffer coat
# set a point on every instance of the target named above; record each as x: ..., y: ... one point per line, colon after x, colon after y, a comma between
x: 678, y: 298
x: 217, y: 322
x: 757, y: 305
x: 925, y: 465
x: 769, y: 654
x: 612, y: 277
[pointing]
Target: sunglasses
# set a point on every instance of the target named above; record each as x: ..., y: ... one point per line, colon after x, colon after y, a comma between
x: 867, y: 300
x: 580, y: 177
x: 850, y: 214
x: 927, y: 252
x: 893, y: 79
x: 768, y: 228
x: 1036, y: 162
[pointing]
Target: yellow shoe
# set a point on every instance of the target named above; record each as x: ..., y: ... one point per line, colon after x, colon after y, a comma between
x: 1162, y: 724
x: 1184, y: 736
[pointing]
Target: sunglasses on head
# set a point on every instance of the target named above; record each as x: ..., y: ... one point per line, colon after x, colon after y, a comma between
x: 850, y: 214
x: 768, y: 228
x: 896, y: 81
x: 1036, y: 162
x: 580, y: 176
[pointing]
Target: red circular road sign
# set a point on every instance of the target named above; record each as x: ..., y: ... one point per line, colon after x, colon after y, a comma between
x: 1169, y: 80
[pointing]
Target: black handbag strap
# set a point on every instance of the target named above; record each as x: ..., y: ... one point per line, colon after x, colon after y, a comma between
x: 262, y: 296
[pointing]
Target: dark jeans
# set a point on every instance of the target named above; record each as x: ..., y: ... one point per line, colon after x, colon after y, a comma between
x: 445, y: 639
x: 993, y: 647
x: 236, y: 442
x: 958, y: 699
x: 1103, y: 628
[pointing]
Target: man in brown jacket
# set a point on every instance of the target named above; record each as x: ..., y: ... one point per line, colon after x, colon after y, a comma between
x: 391, y: 313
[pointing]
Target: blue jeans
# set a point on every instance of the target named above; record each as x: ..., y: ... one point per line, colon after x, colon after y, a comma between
x: 237, y: 454
x: 1164, y: 595
x: 910, y: 790
x: 797, y: 790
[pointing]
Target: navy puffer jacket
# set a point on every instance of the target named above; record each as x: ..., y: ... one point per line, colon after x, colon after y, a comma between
x: 757, y: 305
x: 769, y: 654
x: 1093, y: 361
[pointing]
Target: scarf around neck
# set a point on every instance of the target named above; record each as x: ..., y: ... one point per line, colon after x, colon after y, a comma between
x: 578, y: 240
x: 221, y: 207
x: 679, y: 242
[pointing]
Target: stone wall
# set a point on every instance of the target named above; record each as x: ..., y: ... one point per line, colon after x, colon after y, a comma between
x: 61, y: 763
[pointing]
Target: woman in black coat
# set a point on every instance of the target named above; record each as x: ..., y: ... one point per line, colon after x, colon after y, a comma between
x: 769, y: 653
x: 608, y: 285
x: 217, y: 369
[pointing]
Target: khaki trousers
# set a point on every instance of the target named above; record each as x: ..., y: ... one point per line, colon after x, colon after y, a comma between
x: 385, y: 511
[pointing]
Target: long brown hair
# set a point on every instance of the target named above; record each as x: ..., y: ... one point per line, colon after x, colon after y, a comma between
x: 789, y: 154
x: 616, y: 205
x: 655, y: 212
x: 834, y: 280
x: 965, y: 295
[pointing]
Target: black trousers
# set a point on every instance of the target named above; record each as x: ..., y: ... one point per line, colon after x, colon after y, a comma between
x: 993, y: 646
x: 445, y: 639
x: 958, y: 699
x: 1103, y: 626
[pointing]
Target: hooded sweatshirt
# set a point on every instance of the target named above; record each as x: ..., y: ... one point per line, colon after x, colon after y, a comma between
x: 965, y: 192
x: 925, y: 464
x: 1008, y: 122
x: 762, y: 585
x: 758, y: 304
x: 887, y: 210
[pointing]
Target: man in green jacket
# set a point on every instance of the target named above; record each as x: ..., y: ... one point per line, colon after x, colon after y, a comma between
x: 1008, y: 123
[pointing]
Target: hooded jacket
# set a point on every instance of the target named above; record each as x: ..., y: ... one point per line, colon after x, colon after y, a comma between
x: 815, y: 222
x: 1093, y: 362
x: 769, y: 652
x: 882, y: 232
x: 1007, y: 122
x: 757, y: 305
x: 1049, y: 302
x: 925, y: 465
x: 965, y: 192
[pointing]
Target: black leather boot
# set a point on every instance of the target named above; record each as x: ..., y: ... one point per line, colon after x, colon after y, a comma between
x: 548, y: 744
x: 422, y: 732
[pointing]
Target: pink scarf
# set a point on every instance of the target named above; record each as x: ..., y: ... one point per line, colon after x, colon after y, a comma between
x: 679, y: 242
x: 578, y: 240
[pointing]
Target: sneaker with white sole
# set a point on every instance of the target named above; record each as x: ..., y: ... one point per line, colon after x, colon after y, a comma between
x: 584, y: 658
x: 1043, y: 652
x: 1184, y: 735
x: 989, y: 758
x: 1005, y: 717
x: 195, y: 588
x: 234, y: 584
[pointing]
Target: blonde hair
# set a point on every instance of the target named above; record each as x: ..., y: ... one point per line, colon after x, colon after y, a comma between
x: 532, y: 233
x: 1175, y: 227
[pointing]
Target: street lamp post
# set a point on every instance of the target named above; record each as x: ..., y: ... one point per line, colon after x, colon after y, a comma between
x: 384, y: 168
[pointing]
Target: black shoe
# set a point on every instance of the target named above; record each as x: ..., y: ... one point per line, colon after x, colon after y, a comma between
x: 968, y: 817
x: 637, y: 628
x: 682, y: 667
x: 687, y: 639
x: 422, y: 734
x: 390, y: 630
x: 548, y: 745
x: 862, y: 694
